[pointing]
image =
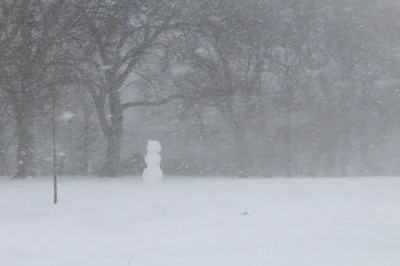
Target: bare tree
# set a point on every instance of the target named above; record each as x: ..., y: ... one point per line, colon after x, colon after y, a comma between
x: 123, y: 34
x: 38, y: 61
x: 7, y: 133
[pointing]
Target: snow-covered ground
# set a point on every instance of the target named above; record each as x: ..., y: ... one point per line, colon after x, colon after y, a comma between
x: 201, y: 222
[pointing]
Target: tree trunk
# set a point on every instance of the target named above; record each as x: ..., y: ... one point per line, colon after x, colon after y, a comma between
x: 345, y: 136
x: 366, y: 166
x: 25, y: 137
x: 364, y: 142
x: 329, y: 163
x: 238, y: 126
x: 2, y: 159
x: 288, y: 85
x: 265, y: 131
x: 86, y: 142
x: 241, y: 153
x: 113, y: 155
x: 85, y: 159
x: 311, y: 171
x: 343, y: 154
x: 114, y: 137
x: 312, y: 165
x: 288, y: 165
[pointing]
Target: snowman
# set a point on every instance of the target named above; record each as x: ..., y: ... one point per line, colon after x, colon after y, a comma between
x: 153, y: 172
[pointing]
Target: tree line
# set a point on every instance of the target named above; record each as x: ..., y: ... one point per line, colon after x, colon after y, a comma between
x: 265, y: 87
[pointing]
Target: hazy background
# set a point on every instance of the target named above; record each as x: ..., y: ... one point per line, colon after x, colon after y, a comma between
x: 229, y: 87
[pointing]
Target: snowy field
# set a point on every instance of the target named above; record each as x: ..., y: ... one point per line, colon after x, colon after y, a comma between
x: 201, y: 222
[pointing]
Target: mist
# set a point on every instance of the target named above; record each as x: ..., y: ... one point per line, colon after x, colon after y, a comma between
x: 229, y: 88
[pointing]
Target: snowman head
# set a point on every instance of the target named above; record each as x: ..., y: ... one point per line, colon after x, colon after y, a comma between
x: 153, y: 146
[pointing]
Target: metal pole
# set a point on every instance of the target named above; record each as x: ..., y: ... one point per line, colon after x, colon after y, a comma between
x: 54, y: 148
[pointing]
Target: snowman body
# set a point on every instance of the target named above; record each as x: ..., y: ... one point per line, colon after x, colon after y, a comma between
x: 153, y: 172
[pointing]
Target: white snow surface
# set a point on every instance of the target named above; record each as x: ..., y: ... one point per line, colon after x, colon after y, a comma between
x: 152, y: 174
x: 198, y: 222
